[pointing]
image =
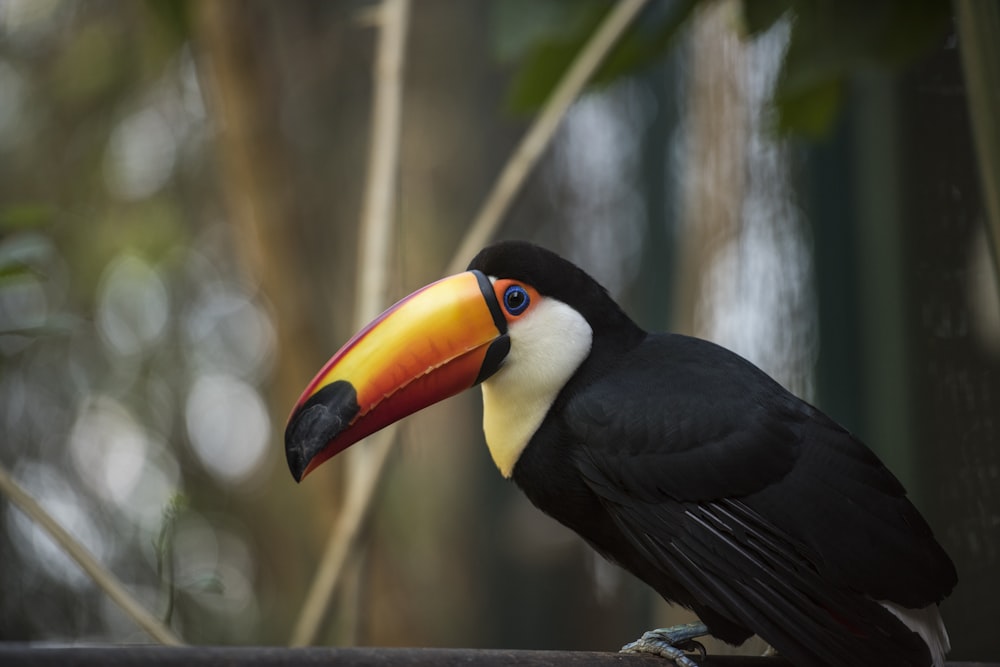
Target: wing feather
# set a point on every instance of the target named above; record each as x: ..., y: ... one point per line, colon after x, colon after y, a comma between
x: 772, y: 516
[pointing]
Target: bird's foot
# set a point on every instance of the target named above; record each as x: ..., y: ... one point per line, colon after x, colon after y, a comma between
x: 672, y: 643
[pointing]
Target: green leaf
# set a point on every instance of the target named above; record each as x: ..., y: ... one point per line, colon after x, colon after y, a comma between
x: 547, y: 61
x: 549, y: 58
x: 164, y: 546
x: 809, y: 112
x: 23, y: 255
x: 209, y: 583
x: 25, y: 216
x: 760, y: 15
x: 518, y: 25
x: 832, y: 40
x: 173, y: 16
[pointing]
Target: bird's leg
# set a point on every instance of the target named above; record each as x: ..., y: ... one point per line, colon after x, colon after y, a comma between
x: 671, y: 643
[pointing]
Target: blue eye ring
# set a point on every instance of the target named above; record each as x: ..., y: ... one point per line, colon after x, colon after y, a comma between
x: 516, y: 299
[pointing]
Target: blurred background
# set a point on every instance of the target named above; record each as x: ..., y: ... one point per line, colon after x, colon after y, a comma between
x: 180, y: 187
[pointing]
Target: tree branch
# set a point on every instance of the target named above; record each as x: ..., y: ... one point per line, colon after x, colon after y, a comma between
x: 365, y: 464
x: 539, y: 136
x: 375, y: 235
x: 979, y: 32
x: 104, y: 579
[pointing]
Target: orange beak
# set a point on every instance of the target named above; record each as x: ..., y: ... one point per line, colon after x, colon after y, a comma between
x: 435, y: 343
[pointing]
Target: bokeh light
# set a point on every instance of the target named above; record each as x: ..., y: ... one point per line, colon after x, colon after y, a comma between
x: 228, y: 425
x: 133, y: 306
x: 141, y: 155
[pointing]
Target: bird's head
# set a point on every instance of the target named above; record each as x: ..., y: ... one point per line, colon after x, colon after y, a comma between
x: 521, y: 320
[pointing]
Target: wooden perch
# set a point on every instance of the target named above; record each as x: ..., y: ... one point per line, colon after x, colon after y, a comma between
x: 24, y: 655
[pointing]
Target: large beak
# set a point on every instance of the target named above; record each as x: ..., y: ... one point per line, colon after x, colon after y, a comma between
x: 435, y: 343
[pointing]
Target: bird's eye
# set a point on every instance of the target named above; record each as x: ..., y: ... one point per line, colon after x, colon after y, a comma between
x: 515, y: 299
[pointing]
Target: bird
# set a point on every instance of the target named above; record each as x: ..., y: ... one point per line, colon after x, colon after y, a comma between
x: 673, y: 457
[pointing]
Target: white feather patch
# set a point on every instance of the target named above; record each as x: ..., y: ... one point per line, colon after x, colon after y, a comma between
x: 547, y: 345
x: 927, y: 623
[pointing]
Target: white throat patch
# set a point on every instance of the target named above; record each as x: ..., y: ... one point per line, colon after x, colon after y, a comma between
x: 547, y: 345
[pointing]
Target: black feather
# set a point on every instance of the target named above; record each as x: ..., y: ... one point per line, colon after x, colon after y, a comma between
x: 701, y: 475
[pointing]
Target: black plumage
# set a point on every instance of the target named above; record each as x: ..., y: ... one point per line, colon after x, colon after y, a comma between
x: 698, y: 473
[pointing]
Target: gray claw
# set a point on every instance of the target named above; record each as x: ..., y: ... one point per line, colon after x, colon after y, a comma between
x: 671, y: 643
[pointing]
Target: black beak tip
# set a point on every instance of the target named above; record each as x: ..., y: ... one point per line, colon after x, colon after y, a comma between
x: 297, y: 459
x: 319, y: 420
x: 300, y: 447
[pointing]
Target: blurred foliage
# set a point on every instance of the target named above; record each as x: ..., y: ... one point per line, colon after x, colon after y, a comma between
x: 26, y: 259
x: 830, y: 41
x: 164, y: 548
x: 114, y: 284
x: 173, y: 16
x: 560, y: 29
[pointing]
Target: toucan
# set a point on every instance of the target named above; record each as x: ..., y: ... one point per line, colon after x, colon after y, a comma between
x: 673, y: 457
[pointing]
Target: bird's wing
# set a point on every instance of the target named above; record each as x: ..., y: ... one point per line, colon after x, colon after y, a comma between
x: 765, y: 510
x: 682, y: 418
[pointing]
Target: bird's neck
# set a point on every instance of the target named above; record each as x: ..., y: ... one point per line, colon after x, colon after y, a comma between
x: 546, y: 349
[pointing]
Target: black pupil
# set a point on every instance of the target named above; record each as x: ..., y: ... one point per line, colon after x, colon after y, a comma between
x: 515, y: 299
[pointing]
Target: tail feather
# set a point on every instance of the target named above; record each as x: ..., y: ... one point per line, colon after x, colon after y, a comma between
x: 927, y: 623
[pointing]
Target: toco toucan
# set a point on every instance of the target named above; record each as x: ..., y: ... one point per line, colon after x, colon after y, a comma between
x: 673, y: 457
